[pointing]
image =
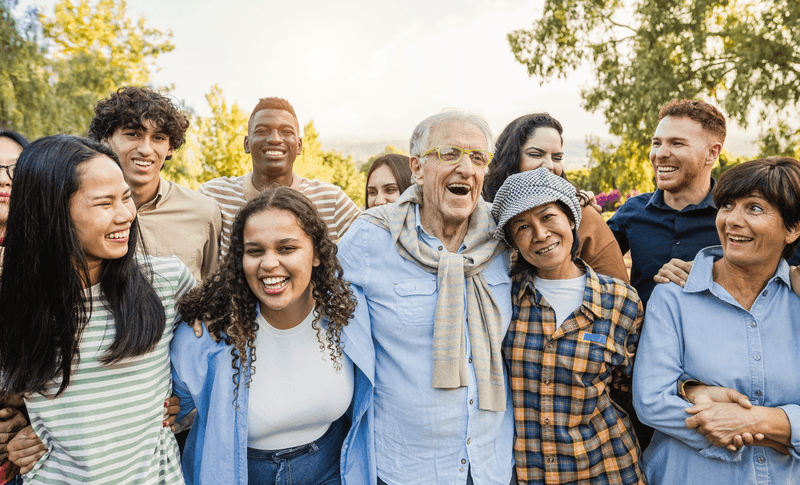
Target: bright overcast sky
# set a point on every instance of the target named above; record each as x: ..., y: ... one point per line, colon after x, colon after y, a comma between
x: 360, y: 69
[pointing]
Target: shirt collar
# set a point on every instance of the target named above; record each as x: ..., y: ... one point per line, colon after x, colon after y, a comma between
x: 592, y: 295
x: 250, y: 190
x: 657, y: 200
x: 701, y: 276
x: 429, y: 239
x: 161, y: 194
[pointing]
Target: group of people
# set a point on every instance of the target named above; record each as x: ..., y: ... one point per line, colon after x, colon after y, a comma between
x: 475, y: 324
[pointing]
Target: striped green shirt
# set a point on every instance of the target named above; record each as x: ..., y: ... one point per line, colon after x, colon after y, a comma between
x: 106, y: 428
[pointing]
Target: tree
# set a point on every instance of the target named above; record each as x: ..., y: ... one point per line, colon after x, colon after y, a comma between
x: 737, y: 54
x: 386, y: 151
x: 329, y: 166
x: 220, y: 139
x: 58, y: 67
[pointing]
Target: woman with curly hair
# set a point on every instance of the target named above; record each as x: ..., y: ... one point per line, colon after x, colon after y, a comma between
x: 278, y: 303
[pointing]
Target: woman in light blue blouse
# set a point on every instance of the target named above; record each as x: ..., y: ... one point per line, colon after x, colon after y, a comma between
x: 727, y: 342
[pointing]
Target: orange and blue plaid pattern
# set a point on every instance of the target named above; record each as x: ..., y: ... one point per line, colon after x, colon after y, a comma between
x: 567, y: 428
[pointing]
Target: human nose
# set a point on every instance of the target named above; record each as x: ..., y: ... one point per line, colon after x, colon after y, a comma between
x: 145, y: 146
x: 465, y: 166
x: 547, y: 163
x: 540, y: 232
x: 269, y: 261
x: 5, y: 179
x: 380, y: 199
x: 274, y: 136
x: 734, y: 217
x: 125, y: 213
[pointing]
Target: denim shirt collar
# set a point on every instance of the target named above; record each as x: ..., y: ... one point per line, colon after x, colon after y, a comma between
x: 701, y: 277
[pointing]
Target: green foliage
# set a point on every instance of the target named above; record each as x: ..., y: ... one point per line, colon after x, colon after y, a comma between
x: 386, y: 151
x: 737, y: 54
x: 780, y: 140
x: 220, y: 139
x: 726, y: 162
x: 582, y: 179
x: 51, y: 84
x: 329, y: 166
x: 625, y: 167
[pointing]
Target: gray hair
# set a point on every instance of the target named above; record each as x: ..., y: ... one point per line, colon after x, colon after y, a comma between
x: 419, y: 138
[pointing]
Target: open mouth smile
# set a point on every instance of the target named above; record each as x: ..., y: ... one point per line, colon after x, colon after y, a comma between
x: 459, y: 189
x: 547, y: 249
x: 275, y: 284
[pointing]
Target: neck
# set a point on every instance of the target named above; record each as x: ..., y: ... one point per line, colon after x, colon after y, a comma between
x: 566, y: 271
x: 142, y: 194
x: 451, y: 234
x: 743, y: 283
x: 261, y: 181
x: 693, y: 194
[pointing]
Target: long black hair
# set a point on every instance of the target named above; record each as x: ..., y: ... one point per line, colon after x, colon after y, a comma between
x: 44, y: 308
x: 508, y: 151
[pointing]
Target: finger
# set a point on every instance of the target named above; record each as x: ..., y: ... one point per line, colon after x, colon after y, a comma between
x: 3, y: 456
x: 197, y: 325
x: 6, y: 413
x: 660, y: 279
x: 759, y: 436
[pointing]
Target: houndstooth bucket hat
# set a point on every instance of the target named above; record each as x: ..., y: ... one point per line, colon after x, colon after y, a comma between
x: 524, y: 191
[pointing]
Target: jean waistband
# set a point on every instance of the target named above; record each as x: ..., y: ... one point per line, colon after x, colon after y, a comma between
x: 335, y: 428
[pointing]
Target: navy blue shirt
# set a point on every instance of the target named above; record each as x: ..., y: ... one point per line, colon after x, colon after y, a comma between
x: 655, y: 233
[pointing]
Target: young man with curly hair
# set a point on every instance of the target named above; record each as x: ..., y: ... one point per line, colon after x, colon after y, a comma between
x: 144, y: 128
x: 273, y: 141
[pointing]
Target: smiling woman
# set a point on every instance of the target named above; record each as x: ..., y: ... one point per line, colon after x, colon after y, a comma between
x: 573, y: 339
x: 278, y: 294
x: 79, y: 308
x: 745, y: 428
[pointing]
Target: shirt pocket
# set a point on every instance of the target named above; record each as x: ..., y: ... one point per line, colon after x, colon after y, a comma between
x: 500, y: 285
x: 415, y: 301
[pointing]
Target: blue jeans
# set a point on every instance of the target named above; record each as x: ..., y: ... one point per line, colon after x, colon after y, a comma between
x: 316, y: 463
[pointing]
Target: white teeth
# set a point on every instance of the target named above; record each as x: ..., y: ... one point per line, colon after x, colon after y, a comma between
x: 547, y: 249
x: 464, y: 186
x: 740, y: 238
x: 119, y: 235
x: 273, y: 153
x: 667, y: 169
x: 143, y: 163
x: 274, y: 281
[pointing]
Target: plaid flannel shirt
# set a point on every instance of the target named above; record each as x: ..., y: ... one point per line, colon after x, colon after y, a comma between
x: 567, y: 428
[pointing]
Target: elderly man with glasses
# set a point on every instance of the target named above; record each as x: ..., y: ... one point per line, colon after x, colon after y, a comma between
x: 434, y: 299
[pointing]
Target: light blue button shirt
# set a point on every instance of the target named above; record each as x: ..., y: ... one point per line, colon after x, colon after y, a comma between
x: 702, y: 331
x: 423, y: 435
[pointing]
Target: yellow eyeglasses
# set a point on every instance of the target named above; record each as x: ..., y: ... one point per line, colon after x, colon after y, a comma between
x: 451, y: 155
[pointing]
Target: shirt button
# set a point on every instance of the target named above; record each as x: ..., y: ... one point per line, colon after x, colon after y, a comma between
x: 677, y: 242
x: 470, y: 401
x: 463, y: 461
x: 470, y: 360
x: 758, y: 392
x: 756, y: 357
x: 753, y: 324
x: 548, y: 382
x: 766, y: 292
x: 468, y: 440
x: 550, y: 459
x: 462, y: 469
x: 546, y: 420
x: 760, y: 459
x: 440, y: 248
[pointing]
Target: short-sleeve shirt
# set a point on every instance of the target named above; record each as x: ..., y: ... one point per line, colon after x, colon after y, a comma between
x: 232, y: 193
x: 106, y: 427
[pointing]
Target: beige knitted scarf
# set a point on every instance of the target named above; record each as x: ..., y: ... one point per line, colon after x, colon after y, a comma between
x: 484, y: 318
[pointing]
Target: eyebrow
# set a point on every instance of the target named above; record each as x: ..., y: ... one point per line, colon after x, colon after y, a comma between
x: 542, y: 149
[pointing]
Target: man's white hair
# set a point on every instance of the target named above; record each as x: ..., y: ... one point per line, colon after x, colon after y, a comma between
x: 419, y: 138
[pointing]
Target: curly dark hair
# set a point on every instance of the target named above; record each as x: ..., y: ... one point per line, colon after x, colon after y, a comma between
x: 226, y: 303
x: 130, y: 107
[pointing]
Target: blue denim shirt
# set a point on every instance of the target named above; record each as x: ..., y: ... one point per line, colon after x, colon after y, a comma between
x: 422, y: 435
x: 700, y: 330
x: 216, y: 449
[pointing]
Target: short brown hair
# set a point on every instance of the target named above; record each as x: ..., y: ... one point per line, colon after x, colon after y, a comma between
x: 776, y: 179
x: 273, y: 103
x: 131, y: 106
x: 707, y: 115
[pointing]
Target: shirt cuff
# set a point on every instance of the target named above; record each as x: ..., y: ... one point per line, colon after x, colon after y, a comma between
x: 683, y: 380
x: 793, y: 413
x: 720, y: 453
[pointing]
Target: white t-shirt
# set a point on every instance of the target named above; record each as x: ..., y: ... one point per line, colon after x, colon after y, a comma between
x: 564, y: 296
x: 296, y: 392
